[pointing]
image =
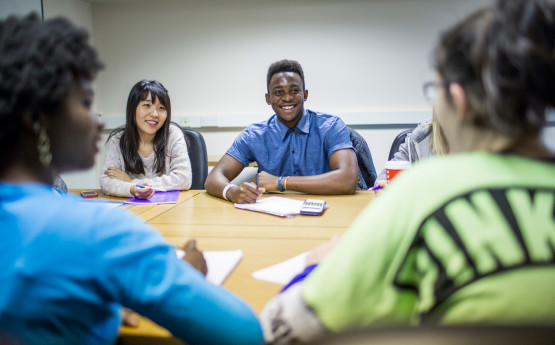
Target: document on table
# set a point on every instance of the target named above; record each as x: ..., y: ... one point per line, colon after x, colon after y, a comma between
x: 275, y: 205
x: 169, y: 197
x: 107, y: 203
x: 219, y: 263
x: 283, y: 272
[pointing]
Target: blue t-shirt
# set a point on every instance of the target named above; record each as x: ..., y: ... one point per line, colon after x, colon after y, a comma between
x: 301, y: 151
x: 67, y: 266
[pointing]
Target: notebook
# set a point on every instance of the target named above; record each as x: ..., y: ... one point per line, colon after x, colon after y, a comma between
x: 169, y: 197
x: 283, y: 272
x: 219, y: 263
x: 275, y: 205
x: 107, y: 203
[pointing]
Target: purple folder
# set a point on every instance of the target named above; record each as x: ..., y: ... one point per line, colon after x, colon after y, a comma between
x: 169, y: 197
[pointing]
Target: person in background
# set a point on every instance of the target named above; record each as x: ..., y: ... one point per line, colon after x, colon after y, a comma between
x: 148, y: 150
x: 296, y: 149
x: 426, y: 140
x: 68, y: 267
x: 467, y: 238
x: 59, y: 185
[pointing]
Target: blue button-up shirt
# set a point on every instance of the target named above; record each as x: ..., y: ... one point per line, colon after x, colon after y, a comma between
x: 300, y: 151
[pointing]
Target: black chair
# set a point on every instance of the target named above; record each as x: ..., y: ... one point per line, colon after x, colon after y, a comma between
x: 399, y: 139
x: 442, y: 335
x: 198, y: 157
x: 366, y: 170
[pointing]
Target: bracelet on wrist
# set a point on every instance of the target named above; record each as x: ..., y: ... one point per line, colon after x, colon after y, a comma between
x: 285, y: 183
x: 279, y: 184
x: 226, y: 189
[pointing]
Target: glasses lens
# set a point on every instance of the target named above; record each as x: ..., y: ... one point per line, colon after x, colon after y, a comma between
x: 430, y: 91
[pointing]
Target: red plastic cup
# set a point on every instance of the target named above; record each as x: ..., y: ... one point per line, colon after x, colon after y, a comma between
x: 393, y: 168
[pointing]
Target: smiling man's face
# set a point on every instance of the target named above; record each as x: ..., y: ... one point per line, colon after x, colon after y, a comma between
x: 286, y: 96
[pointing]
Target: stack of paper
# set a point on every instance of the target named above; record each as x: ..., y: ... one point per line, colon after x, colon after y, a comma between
x: 219, y: 263
x: 275, y: 205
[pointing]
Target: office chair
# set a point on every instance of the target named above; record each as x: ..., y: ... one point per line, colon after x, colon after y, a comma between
x: 198, y: 156
x: 399, y: 139
x: 442, y: 335
x: 366, y: 170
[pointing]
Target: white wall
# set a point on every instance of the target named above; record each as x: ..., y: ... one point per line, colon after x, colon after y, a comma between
x: 19, y: 7
x: 358, y: 56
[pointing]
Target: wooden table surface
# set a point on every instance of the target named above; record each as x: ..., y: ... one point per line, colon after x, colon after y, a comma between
x: 264, y: 239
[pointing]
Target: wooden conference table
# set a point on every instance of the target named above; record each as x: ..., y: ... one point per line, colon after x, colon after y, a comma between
x: 264, y: 239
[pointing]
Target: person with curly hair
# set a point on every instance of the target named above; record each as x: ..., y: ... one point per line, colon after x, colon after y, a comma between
x: 67, y: 267
x: 468, y: 238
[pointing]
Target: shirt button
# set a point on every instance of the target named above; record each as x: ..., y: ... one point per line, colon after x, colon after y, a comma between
x: 293, y: 151
x: 294, y: 173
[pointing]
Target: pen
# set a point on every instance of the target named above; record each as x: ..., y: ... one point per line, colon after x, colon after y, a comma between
x: 375, y: 188
x: 257, y: 184
x: 154, y: 189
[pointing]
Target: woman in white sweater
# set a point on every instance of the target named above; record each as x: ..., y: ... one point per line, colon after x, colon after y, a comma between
x: 148, y: 150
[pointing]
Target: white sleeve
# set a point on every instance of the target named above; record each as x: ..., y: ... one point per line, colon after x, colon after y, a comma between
x: 114, y: 159
x: 178, y: 175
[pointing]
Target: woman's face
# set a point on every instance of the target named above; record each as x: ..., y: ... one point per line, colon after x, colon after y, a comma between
x: 150, y: 116
x: 75, y: 131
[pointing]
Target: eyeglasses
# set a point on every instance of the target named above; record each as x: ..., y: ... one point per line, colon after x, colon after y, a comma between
x: 430, y: 90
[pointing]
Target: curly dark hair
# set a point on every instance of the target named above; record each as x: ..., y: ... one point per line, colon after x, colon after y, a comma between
x: 503, y: 57
x: 284, y: 66
x: 129, y: 142
x: 38, y: 64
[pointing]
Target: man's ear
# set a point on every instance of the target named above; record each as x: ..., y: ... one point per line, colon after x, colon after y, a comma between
x: 268, y: 99
x: 305, y: 94
x: 459, y: 99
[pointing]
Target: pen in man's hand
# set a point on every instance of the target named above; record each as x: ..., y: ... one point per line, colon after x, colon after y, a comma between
x: 375, y: 188
x: 153, y: 188
x: 257, y: 183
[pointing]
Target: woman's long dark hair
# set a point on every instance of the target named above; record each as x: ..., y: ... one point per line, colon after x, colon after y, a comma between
x: 129, y: 142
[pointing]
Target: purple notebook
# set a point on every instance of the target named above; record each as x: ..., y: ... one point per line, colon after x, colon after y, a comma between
x: 169, y: 197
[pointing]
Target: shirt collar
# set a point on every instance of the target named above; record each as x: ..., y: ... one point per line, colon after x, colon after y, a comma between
x: 303, y: 125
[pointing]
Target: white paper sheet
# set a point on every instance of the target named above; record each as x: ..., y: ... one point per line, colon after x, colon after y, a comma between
x: 283, y: 272
x: 219, y: 263
x: 275, y: 205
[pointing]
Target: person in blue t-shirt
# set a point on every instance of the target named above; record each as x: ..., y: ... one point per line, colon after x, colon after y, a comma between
x: 68, y: 267
x: 296, y: 149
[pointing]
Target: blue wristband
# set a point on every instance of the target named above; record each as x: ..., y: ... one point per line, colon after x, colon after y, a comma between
x: 279, y: 184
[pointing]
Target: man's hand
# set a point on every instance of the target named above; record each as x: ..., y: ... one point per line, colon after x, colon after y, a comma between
x: 268, y: 181
x: 129, y: 318
x: 195, y: 257
x: 245, y: 193
x: 141, y: 193
x: 118, y: 174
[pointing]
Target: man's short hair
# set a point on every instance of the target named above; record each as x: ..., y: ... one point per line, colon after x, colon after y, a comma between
x: 284, y: 66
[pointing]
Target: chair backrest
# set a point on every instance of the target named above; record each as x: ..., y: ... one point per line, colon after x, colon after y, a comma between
x: 198, y: 157
x: 441, y: 335
x: 399, y: 139
x: 366, y: 170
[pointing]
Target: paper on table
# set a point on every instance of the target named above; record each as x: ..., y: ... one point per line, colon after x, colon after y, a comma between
x: 283, y: 272
x: 275, y: 205
x: 219, y: 263
x: 107, y: 203
x: 169, y: 197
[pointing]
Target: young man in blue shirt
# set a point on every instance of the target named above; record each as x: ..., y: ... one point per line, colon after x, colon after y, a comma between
x: 296, y: 149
